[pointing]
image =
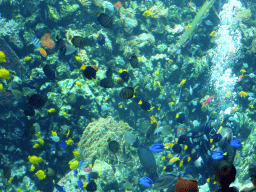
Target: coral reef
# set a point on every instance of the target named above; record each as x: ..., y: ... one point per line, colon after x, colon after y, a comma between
x: 94, y: 141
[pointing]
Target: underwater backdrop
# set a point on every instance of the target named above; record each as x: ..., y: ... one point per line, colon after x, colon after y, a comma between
x: 125, y: 95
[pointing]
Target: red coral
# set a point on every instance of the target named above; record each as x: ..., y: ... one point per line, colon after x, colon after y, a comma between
x: 47, y: 42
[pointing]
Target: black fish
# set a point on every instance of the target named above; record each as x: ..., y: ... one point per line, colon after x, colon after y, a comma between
x: 127, y: 93
x: 90, y: 72
x: 169, y: 168
x: 78, y: 41
x: 28, y: 110
x: 61, y: 45
x: 107, y: 83
x: 105, y: 20
x: 181, y: 118
x: 176, y: 148
x: 114, y: 146
x: 49, y: 72
x: 145, y: 105
x: 36, y: 100
x: 92, y: 186
x: 134, y: 61
x: 151, y: 129
x: 148, y: 162
x: 109, y: 73
x: 124, y: 75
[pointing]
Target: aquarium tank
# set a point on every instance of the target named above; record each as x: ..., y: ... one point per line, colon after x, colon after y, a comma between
x: 127, y: 96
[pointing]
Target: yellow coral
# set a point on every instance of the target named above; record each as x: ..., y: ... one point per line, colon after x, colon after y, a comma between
x: 34, y: 159
x: 4, y: 73
x: 40, y: 174
x: 73, y: 164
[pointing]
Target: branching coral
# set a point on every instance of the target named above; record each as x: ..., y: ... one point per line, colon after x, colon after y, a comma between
x: 132, y: 46
x: 10, y: 28
x: 94, y: 141
x: 85, y: 3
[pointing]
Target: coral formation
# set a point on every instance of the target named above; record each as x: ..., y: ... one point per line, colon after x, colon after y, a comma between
x: 94, y: 141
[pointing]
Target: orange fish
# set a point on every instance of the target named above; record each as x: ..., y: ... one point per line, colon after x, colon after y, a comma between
x: 234, y: 110
x: 42, y: 51
x: 240, y: 77
x: 95, y: 66
x: 207, y: 101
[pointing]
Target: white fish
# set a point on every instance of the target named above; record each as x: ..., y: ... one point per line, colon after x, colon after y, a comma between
x: 190, y: 90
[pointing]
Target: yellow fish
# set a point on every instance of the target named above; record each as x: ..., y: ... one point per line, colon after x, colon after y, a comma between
x: 168, y: 145
x: 79, y: 59
x: 174, y: 159
x: 251, y: 106
x: 177, y: 116
x: 10, y: 180
x: 208, y: 180
x: 157, y: 73
x: 52, y: 110
x: 38, y: 134
x: 242, y: 71
x: 42, y: 51
x: 182, y: 82
x: 54, y: 133
x: 158, y: 108
x: 83, y: 67
x: 213, y: 33
x: 121, y: 106
x: 234, y: 110
x: 122, y: 70
x: 228, y: 94
x: 242, y: 94
x: 2, y: 57
x: 32, y: 168
x: 78, y: 83
x: 1, y: 86
x: 41, y: 141
x: 65, y: 114
x: 181, y: 163
x: 147, y: 13
x: 27, y: 58
x: 76, y: 153
x: 140, y: 102
x: 170, y: 61
x: 4, y: 73
x: 36, y: 146
x: 67, y: 133
x: 69, y: 142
